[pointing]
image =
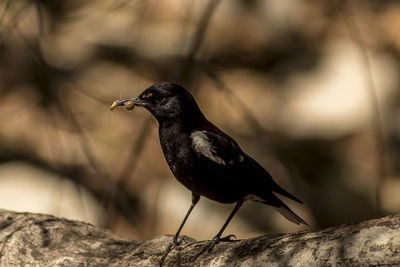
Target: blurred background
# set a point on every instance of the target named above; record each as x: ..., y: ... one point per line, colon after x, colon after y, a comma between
x: 308, y: 88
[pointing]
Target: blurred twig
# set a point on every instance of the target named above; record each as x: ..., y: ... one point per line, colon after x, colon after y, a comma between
x: 198, y: 38
x: 4, y: 11
x: 377, y: 123
x: 249, y: 117
x: 84, y: 143
x: 136, y: 149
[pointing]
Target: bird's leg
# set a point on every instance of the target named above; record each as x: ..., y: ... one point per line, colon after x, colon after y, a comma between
x: 211, y: 243
x: 216, y: 239
x: 175, y: 242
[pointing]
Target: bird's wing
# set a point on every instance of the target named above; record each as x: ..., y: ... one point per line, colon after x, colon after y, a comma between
x: 220, y: 152
x: 217, y: 148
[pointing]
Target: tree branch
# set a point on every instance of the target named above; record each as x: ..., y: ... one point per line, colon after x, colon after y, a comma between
x: 44, y: 240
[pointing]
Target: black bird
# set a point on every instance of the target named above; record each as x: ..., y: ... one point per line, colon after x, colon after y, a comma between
x: 204, y: 159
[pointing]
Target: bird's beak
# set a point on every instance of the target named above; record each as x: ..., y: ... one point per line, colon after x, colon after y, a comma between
x: 128, y: 103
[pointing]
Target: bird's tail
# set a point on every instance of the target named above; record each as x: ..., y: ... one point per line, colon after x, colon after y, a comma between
x: 283, y: 209
x: 276, y: 188
x: 290, y: 215
x: 268, y: 183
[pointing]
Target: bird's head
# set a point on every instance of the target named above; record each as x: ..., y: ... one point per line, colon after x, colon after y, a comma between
x: 166, y: 101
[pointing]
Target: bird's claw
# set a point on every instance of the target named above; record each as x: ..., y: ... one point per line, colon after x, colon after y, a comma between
x: 177, y: 242
x: 212, y: 244
x: 228, y: 238
x: 174, y: 244
x: 208, y: 247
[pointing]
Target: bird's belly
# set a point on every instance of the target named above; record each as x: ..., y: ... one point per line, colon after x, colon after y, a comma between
x: 218, y: 188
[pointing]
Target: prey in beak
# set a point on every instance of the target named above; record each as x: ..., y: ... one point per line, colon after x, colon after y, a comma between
x: 129, y: 104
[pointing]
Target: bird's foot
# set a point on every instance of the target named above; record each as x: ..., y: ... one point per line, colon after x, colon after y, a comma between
x: 228, y: 238
x: 174, y: 244
x: 209, y: 246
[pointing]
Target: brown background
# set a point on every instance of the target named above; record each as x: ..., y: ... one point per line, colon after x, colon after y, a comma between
x: 296, y: 83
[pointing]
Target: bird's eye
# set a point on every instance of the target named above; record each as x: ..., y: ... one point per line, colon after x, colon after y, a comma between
x: 147, y: 95
x: 160, y: 100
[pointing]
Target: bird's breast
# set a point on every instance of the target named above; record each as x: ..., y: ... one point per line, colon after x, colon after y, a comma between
x: 176, y: 149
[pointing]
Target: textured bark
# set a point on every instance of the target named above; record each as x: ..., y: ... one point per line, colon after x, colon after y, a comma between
x: 41, y: 240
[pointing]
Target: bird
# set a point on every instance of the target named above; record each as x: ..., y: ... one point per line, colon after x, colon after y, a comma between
x: 204, y: 159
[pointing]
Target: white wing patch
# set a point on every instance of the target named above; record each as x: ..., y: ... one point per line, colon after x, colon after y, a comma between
x: 203, y: 146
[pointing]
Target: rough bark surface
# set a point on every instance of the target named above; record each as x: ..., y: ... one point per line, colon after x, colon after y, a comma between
x: 28, y: 239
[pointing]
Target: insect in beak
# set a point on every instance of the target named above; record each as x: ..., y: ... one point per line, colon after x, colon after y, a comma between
x: 129, y: 103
